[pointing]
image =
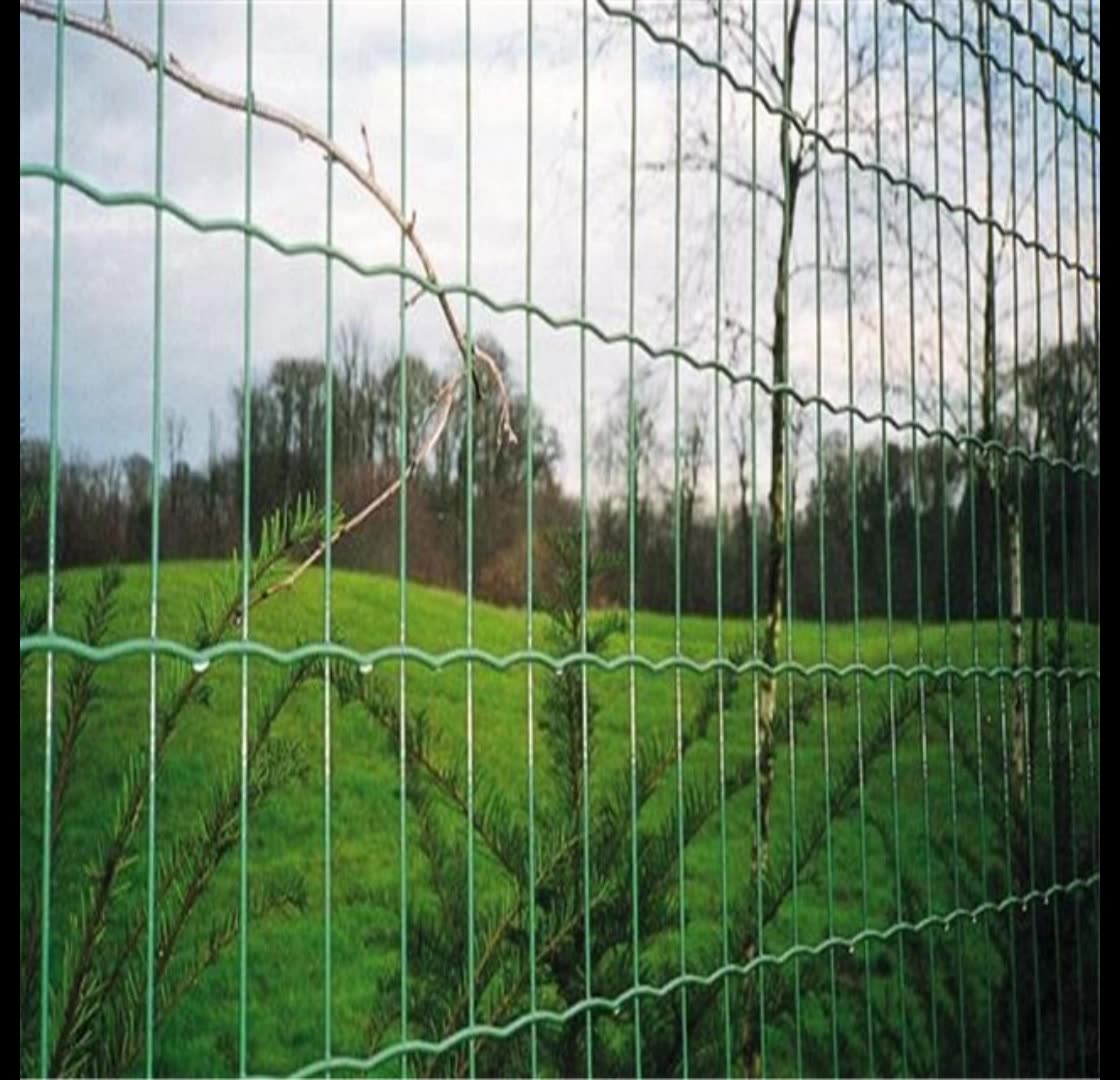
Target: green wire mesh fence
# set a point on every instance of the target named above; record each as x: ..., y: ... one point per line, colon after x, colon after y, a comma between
x: 764, y: 739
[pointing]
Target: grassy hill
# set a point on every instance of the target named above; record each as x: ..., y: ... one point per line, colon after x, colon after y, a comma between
x: 924, y: 774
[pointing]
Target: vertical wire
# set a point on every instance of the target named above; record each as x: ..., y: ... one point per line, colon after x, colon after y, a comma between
x: 472, y: 1050
x: 529, y: 484
x: 725, y: 947
x: 988, y: 470
x: 823, y: 628
x: 328, y: 554
x: 761, y: 948
x: 1079, y: 455
x: 403, y: 457
x: 631, y: 523
x: 944, y: 499
x: 919, y: 585
x: 787, y: 540
x: 1094, y: 777
x: 677, y: 687
x: 1041, y: 487
x: 1057, y: 681
x: 887, y: 553
x: 153, y: 618
x: 971, y: 473
x: 246, y: 560
x: 985, y: 39
x: 585, y: 710
x: 853, y: 514
x: 1043, y: 563
x: 52, y: 529
x: 1016, y: 522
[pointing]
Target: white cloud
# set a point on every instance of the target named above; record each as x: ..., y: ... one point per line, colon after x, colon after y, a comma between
x: 108, y: 253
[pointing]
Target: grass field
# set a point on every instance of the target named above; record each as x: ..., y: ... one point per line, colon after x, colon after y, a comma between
x: 925, y: 776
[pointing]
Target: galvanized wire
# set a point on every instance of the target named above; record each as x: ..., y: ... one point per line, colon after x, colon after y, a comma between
x: 1069, y: 465
x: 946, y: 921
x: 153, y: 669
x: 246, y: 546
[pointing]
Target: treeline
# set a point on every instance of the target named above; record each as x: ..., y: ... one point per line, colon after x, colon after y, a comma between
x: 105, y: 508
x: 946, y: 546
x: 910, y: 525
x: 920, y: 525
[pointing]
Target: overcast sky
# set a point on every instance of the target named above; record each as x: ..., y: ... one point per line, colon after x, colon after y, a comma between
x: 108, y: 253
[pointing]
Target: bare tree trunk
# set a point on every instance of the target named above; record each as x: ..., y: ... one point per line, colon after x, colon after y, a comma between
x: 791, y: 175
x: 988, y: 388
x: 741, y: 444
x: 744, y: 511
x: 791, y: 179
x: 1011, y: 504
x: 694, y: 459
x: 1018, y: 706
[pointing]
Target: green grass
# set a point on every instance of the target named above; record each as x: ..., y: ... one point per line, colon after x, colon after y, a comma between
x: 286, y: 954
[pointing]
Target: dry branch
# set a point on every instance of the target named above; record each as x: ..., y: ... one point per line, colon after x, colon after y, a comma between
x: 445, y: 397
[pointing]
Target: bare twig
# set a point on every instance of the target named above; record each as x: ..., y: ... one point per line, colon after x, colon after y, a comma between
x: 696, y: 162
x: 441, y: 409
x: 179, y: 73
x: 747, y: 39
x: 740, y: 331
x: 445, y: 397
x: 369, y: 153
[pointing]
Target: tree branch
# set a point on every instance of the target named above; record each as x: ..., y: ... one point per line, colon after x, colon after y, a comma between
x: 444, y: 399
x: 698, y: 162
x: 441, y: 408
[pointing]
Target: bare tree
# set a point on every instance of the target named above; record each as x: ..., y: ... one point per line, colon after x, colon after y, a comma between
x: 762, y: 156
x: 794, y: 169
x: 761, y: 48
x: 694, y: 456
x: 612, y: 450
x: 174, y: 435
